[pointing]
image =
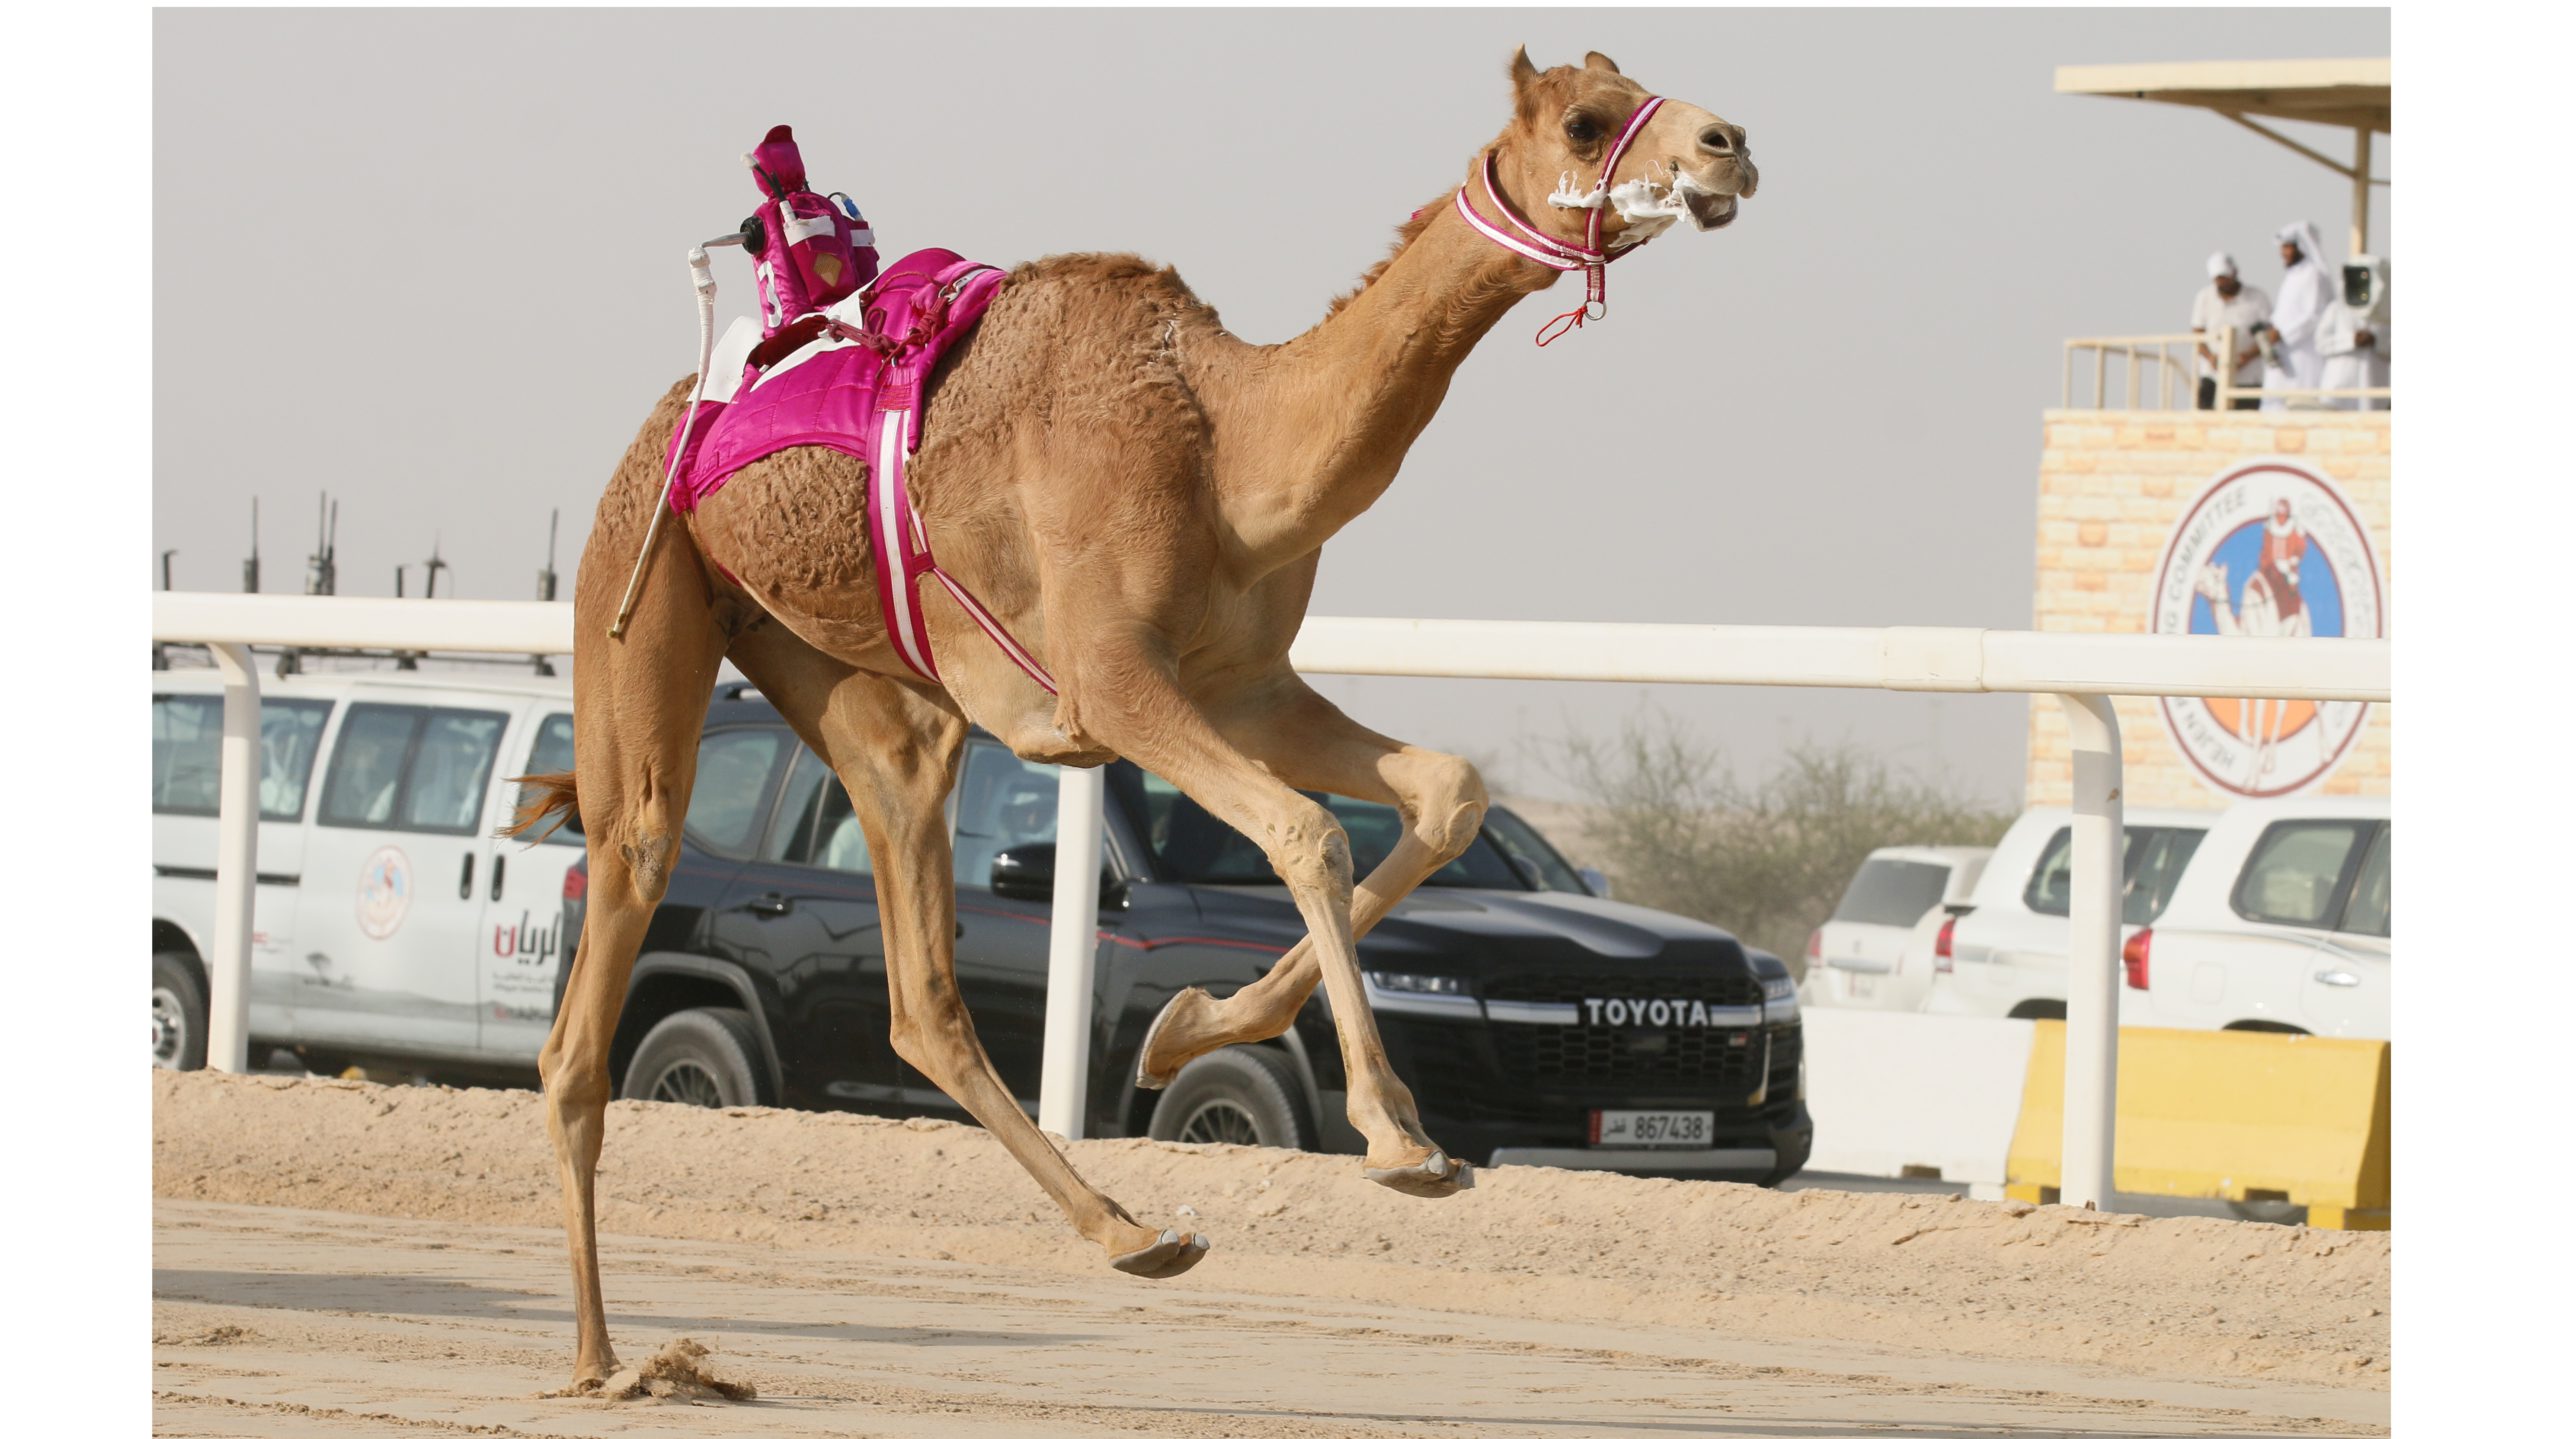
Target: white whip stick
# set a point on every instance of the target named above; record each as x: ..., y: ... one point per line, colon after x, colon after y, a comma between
x: 699, y: 258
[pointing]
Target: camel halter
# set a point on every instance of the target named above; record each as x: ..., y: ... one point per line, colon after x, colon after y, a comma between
x: 1591, y: 257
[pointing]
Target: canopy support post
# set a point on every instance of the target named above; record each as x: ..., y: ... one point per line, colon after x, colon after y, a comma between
x: 2364, y: 190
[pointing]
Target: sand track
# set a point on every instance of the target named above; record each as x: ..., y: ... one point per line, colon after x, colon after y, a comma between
x: 342, y: 1258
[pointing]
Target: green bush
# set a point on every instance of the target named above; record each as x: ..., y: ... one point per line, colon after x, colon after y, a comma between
x: 1675, y: 830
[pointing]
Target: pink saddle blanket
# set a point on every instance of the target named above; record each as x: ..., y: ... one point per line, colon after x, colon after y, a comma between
x: 859, y: 389
x: 831, y: 390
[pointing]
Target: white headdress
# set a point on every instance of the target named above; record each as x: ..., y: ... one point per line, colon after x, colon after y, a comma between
x: 2305, y: 236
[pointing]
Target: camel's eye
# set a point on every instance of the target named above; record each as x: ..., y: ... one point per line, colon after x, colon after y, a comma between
x: 1581, y: 129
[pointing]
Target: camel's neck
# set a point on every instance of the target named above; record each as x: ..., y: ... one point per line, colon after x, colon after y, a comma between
x: 1311, y: 432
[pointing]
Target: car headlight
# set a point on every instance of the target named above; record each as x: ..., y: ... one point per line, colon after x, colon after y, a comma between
x: 1450, y: 984
x: 1778, y: 998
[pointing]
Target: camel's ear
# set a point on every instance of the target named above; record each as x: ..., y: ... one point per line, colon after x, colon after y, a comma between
x: 1522, y: 73
x: 1597, y: 61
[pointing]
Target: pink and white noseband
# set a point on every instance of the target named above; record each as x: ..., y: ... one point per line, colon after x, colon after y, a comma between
x: 1590, y: 257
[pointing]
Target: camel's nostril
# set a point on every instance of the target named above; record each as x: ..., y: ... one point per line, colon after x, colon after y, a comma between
x: 1717, y: 140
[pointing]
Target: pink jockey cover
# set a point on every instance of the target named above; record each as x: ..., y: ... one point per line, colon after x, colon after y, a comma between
x: 861, y: 392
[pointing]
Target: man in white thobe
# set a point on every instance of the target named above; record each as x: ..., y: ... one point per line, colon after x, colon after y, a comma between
x: 2226, y: 304
x: 2302, y: 296
x: 2355, y: 340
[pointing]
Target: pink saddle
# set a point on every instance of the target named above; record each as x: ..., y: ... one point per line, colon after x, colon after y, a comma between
x: 858, y: 388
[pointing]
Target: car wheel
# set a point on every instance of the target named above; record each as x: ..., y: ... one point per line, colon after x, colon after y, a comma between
x: 1243, y: 1095
x: 705, y: 1057
x: 328, y: 1064
x: 260, y: 1057
x: 2269, y: 1211
x: 178, y: 1019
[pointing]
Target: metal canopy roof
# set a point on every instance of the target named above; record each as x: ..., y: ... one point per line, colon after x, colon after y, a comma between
x: 2353, y: 93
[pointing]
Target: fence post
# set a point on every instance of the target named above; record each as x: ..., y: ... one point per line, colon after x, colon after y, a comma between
x: 2222, y: 369
x: 235, y: 885
x: 1066, y: 1044
x: 2097, y: 935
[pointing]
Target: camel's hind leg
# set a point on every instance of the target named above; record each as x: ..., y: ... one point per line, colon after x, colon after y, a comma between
x: 896, y: 747
x: 640, y: 702
x: 1308, y: 744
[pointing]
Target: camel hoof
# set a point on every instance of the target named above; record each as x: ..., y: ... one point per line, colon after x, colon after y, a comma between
x: 1170, y: 1255
x: 1147, y: 1077
x: 1435, y: 1178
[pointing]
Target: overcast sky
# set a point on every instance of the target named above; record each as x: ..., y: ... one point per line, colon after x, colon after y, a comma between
x: 433, y: 262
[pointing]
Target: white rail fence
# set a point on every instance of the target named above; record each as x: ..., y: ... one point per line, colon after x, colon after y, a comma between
x: 2080, y: 670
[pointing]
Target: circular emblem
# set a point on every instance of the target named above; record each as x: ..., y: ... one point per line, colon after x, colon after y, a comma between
x: 2270, y: 549
x: 382, y: 892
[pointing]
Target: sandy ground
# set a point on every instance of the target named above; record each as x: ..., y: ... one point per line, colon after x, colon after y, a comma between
x: 339, y: 1258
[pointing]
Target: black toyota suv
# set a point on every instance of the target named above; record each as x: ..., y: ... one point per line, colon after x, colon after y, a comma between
x: 1536, y: 1021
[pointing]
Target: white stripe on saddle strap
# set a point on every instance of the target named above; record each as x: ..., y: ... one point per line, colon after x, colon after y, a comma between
x: 996, y: 632
x: 889, y: 465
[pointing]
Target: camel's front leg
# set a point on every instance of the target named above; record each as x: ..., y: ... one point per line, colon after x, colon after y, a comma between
x: 1300, y: 737
x: 1130, y: 704
x: 897, y: 749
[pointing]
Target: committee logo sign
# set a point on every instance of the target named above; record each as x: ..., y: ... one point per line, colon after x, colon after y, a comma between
x: 2271, y: 549
x: 382, y: 892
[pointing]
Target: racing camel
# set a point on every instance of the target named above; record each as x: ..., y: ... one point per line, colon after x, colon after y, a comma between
x: 1138, y: 498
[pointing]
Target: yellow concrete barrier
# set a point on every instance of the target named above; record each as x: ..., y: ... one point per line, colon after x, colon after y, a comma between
x: 2219, y: 1114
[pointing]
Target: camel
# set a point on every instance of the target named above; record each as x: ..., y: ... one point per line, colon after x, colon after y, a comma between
x: 1139, y: 497
x: 2261, y: 721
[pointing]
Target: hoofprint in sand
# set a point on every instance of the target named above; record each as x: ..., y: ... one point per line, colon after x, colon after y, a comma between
x: 886, y: 1277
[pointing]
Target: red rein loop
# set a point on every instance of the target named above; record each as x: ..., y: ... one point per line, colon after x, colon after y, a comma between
x: 1531, y: 243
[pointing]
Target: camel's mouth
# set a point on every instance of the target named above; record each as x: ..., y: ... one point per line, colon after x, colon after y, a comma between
x: 1707, y: 210
x: 1711, y: 212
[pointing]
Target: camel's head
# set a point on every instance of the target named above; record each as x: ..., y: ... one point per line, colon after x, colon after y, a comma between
x: 1684, y: 163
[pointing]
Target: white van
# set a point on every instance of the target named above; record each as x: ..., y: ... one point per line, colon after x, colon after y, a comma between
x: 2283, y: 923
x: 1874, y: 951
x: 391, y: 921
x: 2008, y: 954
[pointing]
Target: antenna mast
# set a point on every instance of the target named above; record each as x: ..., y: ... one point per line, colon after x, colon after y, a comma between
x: 160, y: 652
x: 546, y: 585
x: 322, y: 577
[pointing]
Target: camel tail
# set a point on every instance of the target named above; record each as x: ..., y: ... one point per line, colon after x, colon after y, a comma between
x: 546, y: 796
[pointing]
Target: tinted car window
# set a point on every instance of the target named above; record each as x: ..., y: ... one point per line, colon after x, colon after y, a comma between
x: 2154, y: 858
x: 554, y: 752
x: 449, y: 772
x: 364, y: 770
x: 411, y: 767
x: 730, y: 771
x: 2369, y: 903
x: 2151, y: 869
x: 186, y: 754
x: 1004, y: 801
x: 1892, y: 891
x: 1530, y: 853
x: 1194, y: 846
x: 2298, y: 872
x: 814, y: 824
